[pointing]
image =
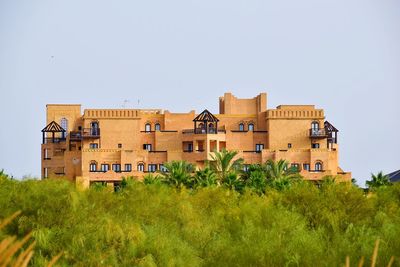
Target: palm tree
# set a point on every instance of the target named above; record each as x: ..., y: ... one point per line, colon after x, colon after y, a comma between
x: 233, y: 181
x: 378, y: 180
x: 205, y: 177
x: 279, y: 174
x: 223, y: 163
x: 256, y: 180
x: 178, y: 173
x: 152, y: 179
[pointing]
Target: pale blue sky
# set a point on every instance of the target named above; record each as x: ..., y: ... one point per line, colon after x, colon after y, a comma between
x: 341, y: 55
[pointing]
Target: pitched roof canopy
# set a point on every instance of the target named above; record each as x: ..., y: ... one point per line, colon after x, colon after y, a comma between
x: 206, y: 116
x: 330, y: 127
x: 53, y: 127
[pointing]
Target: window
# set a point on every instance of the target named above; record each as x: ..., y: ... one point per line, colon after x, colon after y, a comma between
x: 162, y: 168
x: 147, y: 147
x: 157, y: 127
x: 128, y: 167
x: 241, y: 127
x: 315, y: 125
x: 246, y: 167
x: 295, y: 166
x: 46, y: 154
x: 306, y: 166
x: 105, y: 167
x: 318, y: 166
x: 93, y: 167
x: 147, y: 128
x: 259, y: 147
x: 94, y: 128
x: 314, y: 145
x: 64, y: 125
x: 94, y: 145
x: 140, y: 167
x: 289, y: 145
x: 45, y: 173
x: 116, y: 167
x: 119, y: 145
x: 152, y: 167
x: 251, y: 127
x: 190, y: 147
x: 314, y: 128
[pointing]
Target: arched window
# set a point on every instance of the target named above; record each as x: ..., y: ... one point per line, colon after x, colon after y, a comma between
x: 93, y: 166
x: 140, y: 167
x: 315, y: 125
x: 64, y: 125
x: 318, y: 166
x: 251, y: 127
x: 94, y: 128
x: 147, y: 127
x: 241, y: 127
x: 157, y: 127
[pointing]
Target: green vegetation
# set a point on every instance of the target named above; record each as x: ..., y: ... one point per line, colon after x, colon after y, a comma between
x: 217, y: 216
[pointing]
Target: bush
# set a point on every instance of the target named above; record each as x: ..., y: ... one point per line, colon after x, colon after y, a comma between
x: 155, y: 224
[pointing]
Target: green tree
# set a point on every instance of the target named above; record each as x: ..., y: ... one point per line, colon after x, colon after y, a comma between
x: 257, y: 180
x: 279, y: 175
x: 378, y: 180
x: 152, y: 179
x: 223, y: 163
x: 178, y: 173
x: 205, y: 177
x: 232, y: 181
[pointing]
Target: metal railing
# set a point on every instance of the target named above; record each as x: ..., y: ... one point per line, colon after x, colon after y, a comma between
x: 55, y: 140
x: 203, y: 131
x: 85, y: 133
x: 321, y: 132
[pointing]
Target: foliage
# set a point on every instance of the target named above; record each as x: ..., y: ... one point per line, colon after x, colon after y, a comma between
x: 378, y: 180
x: 223, y: 163
x: 155, y: 224
x: 178, y: 173
x: 205, y: 177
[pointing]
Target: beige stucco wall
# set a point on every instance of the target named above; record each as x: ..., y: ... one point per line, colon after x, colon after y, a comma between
x: 274, y: 128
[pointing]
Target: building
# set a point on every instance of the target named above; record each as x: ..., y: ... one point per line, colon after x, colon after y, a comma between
x: 104, y: 145
x: 394, y: 177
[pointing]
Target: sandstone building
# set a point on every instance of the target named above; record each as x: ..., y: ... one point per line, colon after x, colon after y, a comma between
x: 104, y: 145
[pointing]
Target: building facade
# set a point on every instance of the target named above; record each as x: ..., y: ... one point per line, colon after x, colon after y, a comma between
x: 105, y: 145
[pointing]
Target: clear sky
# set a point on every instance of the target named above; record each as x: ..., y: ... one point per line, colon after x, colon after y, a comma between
x: 341, y: 55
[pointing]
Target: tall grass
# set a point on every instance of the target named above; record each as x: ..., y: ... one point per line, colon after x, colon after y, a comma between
x: 157, y: 225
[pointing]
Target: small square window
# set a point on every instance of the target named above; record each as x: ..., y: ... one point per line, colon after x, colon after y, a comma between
x: 289, y: 145
x: 314, y: 145
x: 119, y: 145
x: 93, y: 145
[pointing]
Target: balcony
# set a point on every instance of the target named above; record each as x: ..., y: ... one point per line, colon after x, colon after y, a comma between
x: 53, y: 140
x: 202, y: 131
x: 85, y: 133
x: 318, y: 133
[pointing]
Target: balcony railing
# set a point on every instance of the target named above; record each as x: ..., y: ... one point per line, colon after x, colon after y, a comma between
x: 318, y: 133
x: 202, y: 131
x: 85, y: 133
x: 55, y: 140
